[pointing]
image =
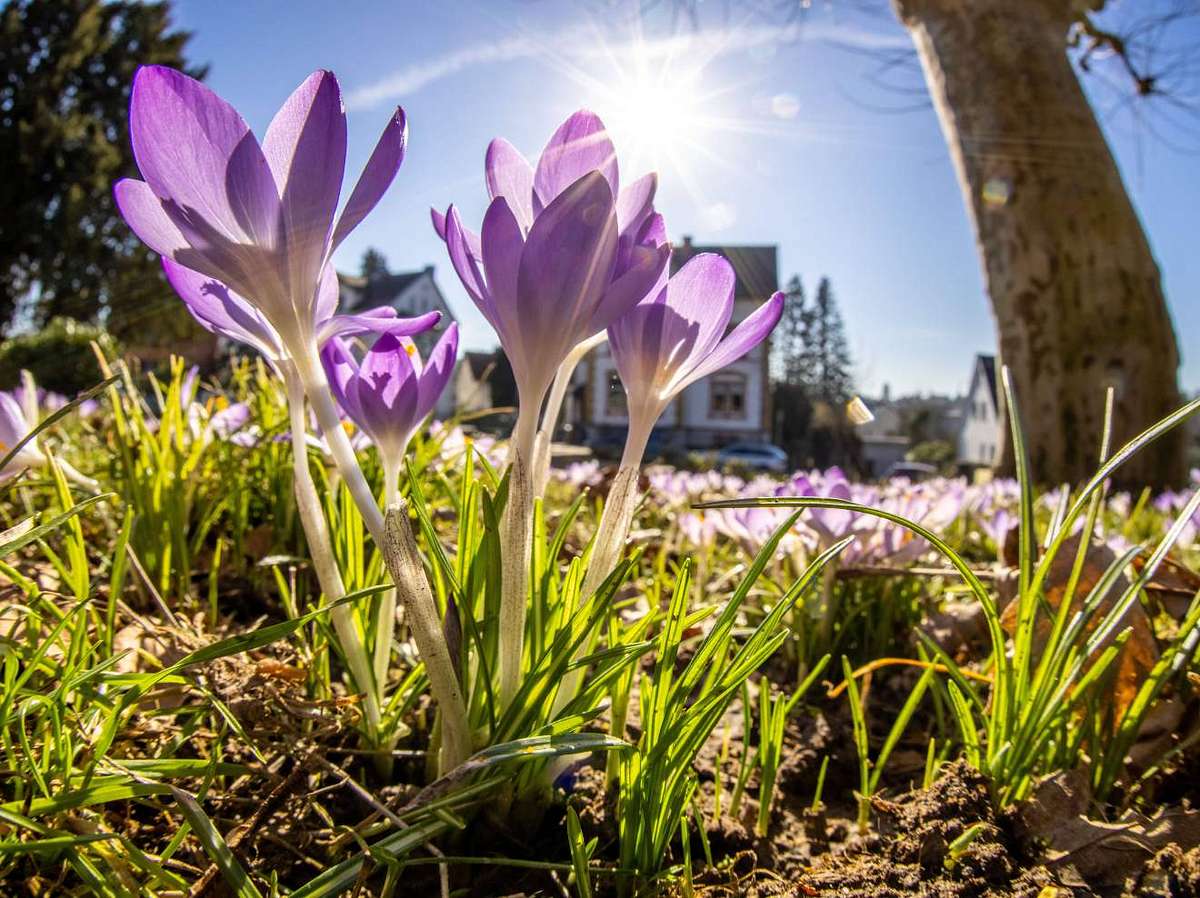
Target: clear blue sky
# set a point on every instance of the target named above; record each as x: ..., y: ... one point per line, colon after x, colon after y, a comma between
x: 771, y: 134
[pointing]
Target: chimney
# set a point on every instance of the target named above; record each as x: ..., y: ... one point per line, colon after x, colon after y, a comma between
x: 429, y: 270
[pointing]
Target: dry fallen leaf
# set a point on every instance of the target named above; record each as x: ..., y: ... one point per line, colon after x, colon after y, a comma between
x: 1103, y: 855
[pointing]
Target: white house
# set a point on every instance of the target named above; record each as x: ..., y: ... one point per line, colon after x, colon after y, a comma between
x: 979, y: 439
x: 730, y: 405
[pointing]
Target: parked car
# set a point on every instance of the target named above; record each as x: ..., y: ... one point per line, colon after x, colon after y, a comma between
x: 911, y: 470
x: 757, y: 456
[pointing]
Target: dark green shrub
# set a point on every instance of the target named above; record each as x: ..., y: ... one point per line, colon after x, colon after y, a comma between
x: 59, y: 356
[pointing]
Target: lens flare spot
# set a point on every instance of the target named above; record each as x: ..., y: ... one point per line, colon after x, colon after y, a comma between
x: 997, y: 192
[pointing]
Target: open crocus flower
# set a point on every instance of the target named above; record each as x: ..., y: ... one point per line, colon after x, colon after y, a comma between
x: 673, y: 339
x: 390, y: 392
x: 220, y: 310
x: 562, y: 252
x: 259, y: 219
x: 19, y: 416
x: 549, y: 290
x: 15, y: 425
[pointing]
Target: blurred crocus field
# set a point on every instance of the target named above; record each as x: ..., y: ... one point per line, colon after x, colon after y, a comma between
x: 603, y: 448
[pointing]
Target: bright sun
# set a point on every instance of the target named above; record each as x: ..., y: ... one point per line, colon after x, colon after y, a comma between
x: 657, y: 117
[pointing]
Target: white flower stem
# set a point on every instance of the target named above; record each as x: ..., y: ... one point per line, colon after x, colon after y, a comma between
x: 385, y: 623
x: 615, y: 521
x: 515, y: 536
x: 558, y: 392
x: 412, y: 586
x: 76, y: 477
x: 316, y: 533
x: 618, y: 511
x: 316, y: 387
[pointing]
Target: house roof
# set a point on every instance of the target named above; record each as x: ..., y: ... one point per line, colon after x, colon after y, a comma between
x: 478, y: 362
x: 382, y: 289
x: 756, y: 267
x: 988, y: 364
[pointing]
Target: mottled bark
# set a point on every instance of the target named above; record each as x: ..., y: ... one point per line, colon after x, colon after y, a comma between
x: 1074, y: 288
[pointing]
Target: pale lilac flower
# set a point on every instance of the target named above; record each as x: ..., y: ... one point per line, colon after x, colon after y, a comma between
x: 698, y: 529
x: 579, y: 474
x: 227, y: 422
x: 677, y: 336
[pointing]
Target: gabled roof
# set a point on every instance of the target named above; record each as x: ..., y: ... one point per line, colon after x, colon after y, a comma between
x: 987, y: 364
x: 382, y: 289
x: 479, y: 362
x: 756, y: 267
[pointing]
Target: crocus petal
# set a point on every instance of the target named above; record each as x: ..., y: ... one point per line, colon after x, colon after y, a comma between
x: 194, y: 149
x: 222, y: 311
x: 635, y: 202
x: 752, y: 331
x: 466, y: 266
x: 341, y: 369
x: 437, y: 371
x: 13, y: 424
x: 641, y: 352
x: 474, y: 247
x: 580, y: 145
x: 510, y: 175
x: 143, y: 211
x: 566, y: 267
x: 462, y: 259
x: 644, y: 271
x: 387, y: 394
x: 503, y: 243
x: 305, y: 147
x: 701, y: 292
x: 376, y: 177
x: 375, y: 321
x: 328, y: 294
x: 653, y: 231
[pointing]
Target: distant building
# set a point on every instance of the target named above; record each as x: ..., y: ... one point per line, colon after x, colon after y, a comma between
x: 979, y: 438
x: 903, y: 422
x: 729, y: 405
x: 410, y: 293
x: 881, y: 451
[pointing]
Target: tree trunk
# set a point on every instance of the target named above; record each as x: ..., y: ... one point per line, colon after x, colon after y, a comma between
x: 1075, y: 291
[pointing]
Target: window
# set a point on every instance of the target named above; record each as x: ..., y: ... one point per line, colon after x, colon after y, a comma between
x: 727, y: 395
x: 614, y: 397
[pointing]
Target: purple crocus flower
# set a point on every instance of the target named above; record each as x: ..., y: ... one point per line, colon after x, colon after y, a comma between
x: 255, y: 223
x: 562, y: 253
x: 675, y: 337
x: 390, y: 392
